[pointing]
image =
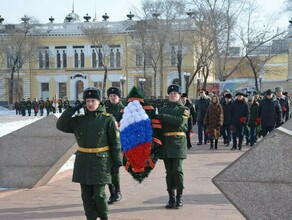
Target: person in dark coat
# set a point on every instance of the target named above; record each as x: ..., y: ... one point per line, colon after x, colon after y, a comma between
x: 115, y: 107
x: 17, y: 108
x: 99, y: 150
x: 269, y: 113
x: 28, y: 106
x: 174, y: 118
x: 252, y: 122
x: 42, y: 106
x: 201, y: 105
x: 225, y: 129
x: 239, y: 117
x: 35, y: 106
x: 48, y: 106
x: 23, y: 107
x: 214, y: 120
x: 192, y: 119
x: 285, y: 104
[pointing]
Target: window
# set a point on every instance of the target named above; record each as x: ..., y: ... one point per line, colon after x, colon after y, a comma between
x: 118, y: 58
x: 41, y: 60
x: 98, y: 85
x: 139, y: 60
x: 58, y: 59
x: 93, y: 58
x: 64, y: 59
x: 112, y: 58
x: 75, y: 59
x: 173, y: 57
x: 116, y: 84
x: 62, y: 90
x: 45, y: 93
x: 99, y: 58
x: 47, y: 59
x: 82, y: 59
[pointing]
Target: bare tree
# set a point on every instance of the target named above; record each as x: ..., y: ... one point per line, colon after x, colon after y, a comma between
x: 101, y: 39
x: 20, y: 47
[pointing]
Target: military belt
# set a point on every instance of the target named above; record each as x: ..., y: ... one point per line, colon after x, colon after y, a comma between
x: 167, y: 134
x: 93, y: 150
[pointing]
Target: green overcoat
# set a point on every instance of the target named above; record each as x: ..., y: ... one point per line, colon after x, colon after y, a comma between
x: 175, y: 119
x: 115, y: 109
x: 93, y: 130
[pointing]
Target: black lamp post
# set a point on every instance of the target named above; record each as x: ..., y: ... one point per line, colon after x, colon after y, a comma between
x: 123, y: 80
x: 142, y: 81
x: 187, y: 77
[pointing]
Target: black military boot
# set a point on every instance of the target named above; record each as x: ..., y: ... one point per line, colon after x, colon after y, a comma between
x: 216, y: 144
x: 118, y: 195
x: 171, y: 201
x: 211, y: 143
x: 111, y: 199
x: 104, y: 218
x: 179, y: 197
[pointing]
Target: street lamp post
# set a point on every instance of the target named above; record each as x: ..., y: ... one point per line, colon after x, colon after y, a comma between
x: 187, y: 77
x: 123, y: 80
x: 142, y: 81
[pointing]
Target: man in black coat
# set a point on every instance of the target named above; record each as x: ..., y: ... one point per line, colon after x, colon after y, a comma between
x: 269, y: 113
x: 239, y: 117
x: 225, y: 129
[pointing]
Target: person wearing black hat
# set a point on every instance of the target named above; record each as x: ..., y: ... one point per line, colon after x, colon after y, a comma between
x: 115, y: 107
x: 48, y: 106
x: 23, y: 107
x: 28, y: 106
x: 201, y: 105
x: 239, y: 117
x: 99, y: 149
x: 192, y: 118
x: 225, y: 129
x: 174, y: 118
x: 42, y: 106
x: 269, y: 113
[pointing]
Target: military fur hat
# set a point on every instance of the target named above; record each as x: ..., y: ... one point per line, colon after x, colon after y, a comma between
x: 174, y: 88
x: 114, y: 90
x: 92, y: 93
x: 184, y: 95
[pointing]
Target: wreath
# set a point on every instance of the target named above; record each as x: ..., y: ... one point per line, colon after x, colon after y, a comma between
x: 140, y: 135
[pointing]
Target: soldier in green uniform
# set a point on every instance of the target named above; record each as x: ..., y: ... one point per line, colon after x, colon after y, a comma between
x: 115, y: 107
x: 99, y: 150
x: 23, y: 107
x: 174, y: 118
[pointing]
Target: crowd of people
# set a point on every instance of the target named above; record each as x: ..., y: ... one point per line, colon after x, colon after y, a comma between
x: 240, y: 117
x: 27, y: 107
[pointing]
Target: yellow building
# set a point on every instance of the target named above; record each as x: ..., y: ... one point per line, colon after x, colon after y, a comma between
x: 66, y: 62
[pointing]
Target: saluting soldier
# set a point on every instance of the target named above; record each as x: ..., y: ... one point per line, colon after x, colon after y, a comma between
x: 115, y: 107
x: 99, y: 150
x: 174, y: 117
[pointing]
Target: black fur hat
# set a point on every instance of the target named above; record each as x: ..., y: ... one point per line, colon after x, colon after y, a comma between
x: 92, y: 93
x: 174, y: 88
x: 114, y: 90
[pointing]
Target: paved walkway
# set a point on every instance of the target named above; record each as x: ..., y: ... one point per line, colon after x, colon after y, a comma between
x: 60, y: 199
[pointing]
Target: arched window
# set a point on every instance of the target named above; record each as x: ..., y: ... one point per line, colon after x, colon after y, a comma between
x: 112, y: 58
x: 118, y: 58
x: 41, y: 60
x: 64, y: 59
x: 173, y: 57
x: 58, y: 59
x: 82, y: 58
x: 75, y: 59
x: 93, y: 58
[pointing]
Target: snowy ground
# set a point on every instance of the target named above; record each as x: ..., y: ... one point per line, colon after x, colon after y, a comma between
x: 8, y: 127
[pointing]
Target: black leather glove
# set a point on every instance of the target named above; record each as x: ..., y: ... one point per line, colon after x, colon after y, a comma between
x: 79, y: 106
x: 159, y: 116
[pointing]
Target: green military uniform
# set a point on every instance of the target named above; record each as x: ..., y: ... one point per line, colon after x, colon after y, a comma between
x: 117, y: 111
x: 174, y: 118
x: 96, y: 131
x: 23, y: 107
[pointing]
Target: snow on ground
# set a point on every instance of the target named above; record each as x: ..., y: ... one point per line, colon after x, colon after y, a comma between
x: 8, y: 127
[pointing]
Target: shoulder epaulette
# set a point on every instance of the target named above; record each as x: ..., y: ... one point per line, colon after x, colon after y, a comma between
x: 106, y: 114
